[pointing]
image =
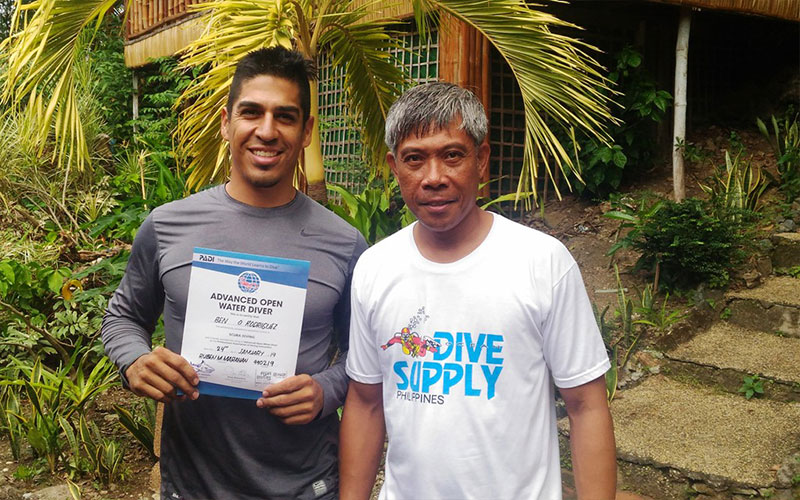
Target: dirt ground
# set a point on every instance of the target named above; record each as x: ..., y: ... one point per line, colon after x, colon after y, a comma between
x: 578, y: 223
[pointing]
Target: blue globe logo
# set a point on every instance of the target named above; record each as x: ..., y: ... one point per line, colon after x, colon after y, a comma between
x: 249, y: 282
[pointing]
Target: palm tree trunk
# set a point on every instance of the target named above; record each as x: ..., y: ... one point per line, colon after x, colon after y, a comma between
x: 314, y: 169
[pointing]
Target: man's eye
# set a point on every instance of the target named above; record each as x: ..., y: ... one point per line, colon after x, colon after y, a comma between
x: 454, y: 156
x: 248, y: 112
x: 412, y: 159
x: 286, y: 117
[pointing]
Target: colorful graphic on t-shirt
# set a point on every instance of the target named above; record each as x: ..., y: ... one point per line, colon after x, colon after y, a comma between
x: 412, y: 344
x: 463, y: 363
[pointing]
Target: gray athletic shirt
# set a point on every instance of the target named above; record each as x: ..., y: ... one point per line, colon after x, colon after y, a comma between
x: 226, y: 448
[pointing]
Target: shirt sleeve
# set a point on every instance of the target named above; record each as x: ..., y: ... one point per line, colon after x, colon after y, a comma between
x: 362, y: 363
x: 573, y: 347
x: 333, y: 380
x: 136, y: 305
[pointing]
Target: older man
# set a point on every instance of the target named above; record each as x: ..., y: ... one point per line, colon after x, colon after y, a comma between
x: 461, y: 324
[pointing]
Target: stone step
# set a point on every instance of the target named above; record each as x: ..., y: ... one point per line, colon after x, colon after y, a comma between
x: 722, y: 355
x: 786, y: 249
x: 674, y: 437
x: 772, y: 307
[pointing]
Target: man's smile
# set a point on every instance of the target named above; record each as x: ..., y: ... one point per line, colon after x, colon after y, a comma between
x: 265, y: 154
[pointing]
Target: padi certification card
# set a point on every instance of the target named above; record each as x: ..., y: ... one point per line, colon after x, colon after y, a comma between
x: 244, y: 313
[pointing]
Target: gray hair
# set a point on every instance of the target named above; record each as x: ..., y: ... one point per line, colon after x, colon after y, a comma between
x: 431, y: 107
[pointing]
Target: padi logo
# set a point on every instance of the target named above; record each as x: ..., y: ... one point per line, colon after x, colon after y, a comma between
x: 206, y: 258
x: 249, y: 282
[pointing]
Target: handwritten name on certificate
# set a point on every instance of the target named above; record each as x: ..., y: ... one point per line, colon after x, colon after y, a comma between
x: 244, y: 313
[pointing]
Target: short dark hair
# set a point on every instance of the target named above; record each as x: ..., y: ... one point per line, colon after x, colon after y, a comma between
x: 279, y: 62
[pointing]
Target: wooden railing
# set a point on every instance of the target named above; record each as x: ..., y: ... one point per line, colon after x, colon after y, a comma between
x: 148, y: 15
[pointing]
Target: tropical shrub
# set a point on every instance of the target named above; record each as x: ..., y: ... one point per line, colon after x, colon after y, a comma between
x: 377, y: 211
x: 602, y: 165
x: 622, y: 334
x: 632, y: 212
x: 786, y: 144
x: 689, y: 245
x: 738, y: 186
x: 56, y: 399
x: 113, y: 80
x: 682, y: 244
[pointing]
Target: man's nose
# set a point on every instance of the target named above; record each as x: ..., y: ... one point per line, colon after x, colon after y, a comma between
x: 434, y: 173
x: 266, y: 130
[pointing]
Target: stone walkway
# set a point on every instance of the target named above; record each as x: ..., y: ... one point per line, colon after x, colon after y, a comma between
x: 688, y: 428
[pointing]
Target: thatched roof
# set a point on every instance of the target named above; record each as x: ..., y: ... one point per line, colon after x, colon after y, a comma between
x: 166, y: 41
x: 171, y: 35
x: 782, y: 9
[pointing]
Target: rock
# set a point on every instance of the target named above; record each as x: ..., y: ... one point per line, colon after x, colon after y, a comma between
x: 744, y: 491
x: 787, y: 226
x: 58, y: 492
x: 703, y: 488
x: 648, y: 360
x: 764, y: 266
x: 10, y: 493
x: 787, y: 471
x: 765, y: 245
x: 751, y: 279
x: 781, y: 495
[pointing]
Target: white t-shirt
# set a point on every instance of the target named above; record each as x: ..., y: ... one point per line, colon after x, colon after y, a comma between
x: 466, y: 352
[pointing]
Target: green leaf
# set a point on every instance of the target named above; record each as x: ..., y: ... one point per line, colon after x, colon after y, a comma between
x: 74, y: 490
x: 605, y: 154
x: 37, y: 440
x: 620, y: 159
x: 6, y: 272
x: 54, y: 282
x: 762, y: 128
x: 616, y: 214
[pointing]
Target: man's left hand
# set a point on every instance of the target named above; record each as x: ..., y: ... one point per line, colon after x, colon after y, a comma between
x: 296, y: 400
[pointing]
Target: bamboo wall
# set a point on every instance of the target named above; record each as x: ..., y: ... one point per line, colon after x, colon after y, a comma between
x: 464, y: 60
x: 145, y: 16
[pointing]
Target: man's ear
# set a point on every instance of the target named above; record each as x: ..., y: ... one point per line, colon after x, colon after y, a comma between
x: 308, y: 129
x: 224, y: 121
x: 484, y: 151
x: 390, y: 159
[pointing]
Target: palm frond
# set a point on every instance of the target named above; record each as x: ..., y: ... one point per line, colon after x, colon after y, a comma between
x: 373, y: 78
x: 560, y: 82
x: 41, y: 58
x: 233, y: 29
